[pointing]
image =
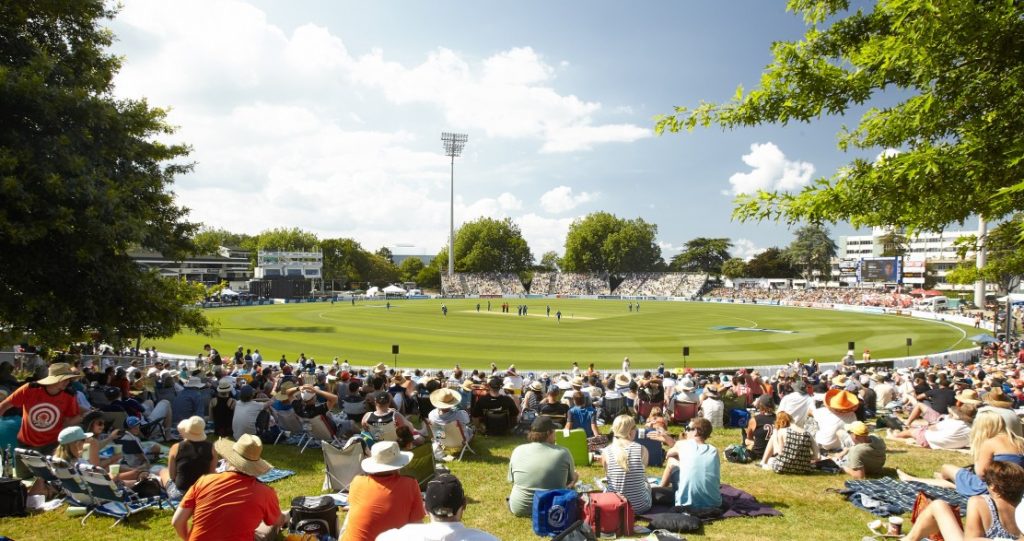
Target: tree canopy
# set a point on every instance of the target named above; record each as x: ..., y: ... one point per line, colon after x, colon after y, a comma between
x: 956, y: 71
x: 812, y: 251
x: 84, y: 177
x: 702, y: 254
x: 489, y: 245
x: 602, y: 242
x: 771, y: 263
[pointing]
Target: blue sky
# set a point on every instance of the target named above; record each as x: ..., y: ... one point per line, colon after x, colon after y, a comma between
x: 326, y: 115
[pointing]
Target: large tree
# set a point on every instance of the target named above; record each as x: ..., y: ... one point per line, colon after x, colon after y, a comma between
x: 734, y: 268
x: 771, y: 263
x: 812, y: 251
x: 1004, y: 264
x: 952, y: 75
x: 603, y: 242
x: 490, y: 245
x: 209, y: 240
x: 84, y: 177
x: 702, y: 254
x: 550, y: 261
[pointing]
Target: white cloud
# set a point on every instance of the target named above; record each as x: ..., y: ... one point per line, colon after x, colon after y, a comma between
x: 561, y: 199
x: 886, y: 153
x: 771, y: 171
x: 745, y: 249
x: 280, y: 122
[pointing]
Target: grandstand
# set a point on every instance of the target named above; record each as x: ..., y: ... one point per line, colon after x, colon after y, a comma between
x: 636, y: 284
x: 661, y: 284
x: 483, y: 283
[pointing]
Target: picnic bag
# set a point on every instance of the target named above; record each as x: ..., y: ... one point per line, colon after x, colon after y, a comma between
x: 608, y: 512
x: 554, y: 511
x: 739, y: 418
x: 316, y: 515
x: 922, y: 501
x: 13, y: 498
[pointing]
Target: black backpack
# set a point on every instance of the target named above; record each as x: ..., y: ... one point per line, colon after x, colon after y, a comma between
x: 315, y: 515
x: 13, y: 498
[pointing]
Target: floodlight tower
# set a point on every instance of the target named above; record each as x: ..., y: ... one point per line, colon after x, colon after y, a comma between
x: 453, y: 145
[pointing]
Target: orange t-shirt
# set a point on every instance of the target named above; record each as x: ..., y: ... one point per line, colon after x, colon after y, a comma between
x: 43, y: 414
x: 378, y: 503
x: 229, y: 506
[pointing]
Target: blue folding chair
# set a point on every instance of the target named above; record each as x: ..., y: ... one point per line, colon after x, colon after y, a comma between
x: 36, y: 463
x: 113, y: 500
x: 76, y: 490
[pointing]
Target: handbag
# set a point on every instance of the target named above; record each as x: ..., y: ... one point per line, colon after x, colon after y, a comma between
x: 922, y: 501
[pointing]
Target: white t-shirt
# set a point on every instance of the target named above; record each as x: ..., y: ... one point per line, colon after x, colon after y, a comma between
x: 436, y: 531
x: 713, y: 410
x: 244, y: 420
x: 948, y: 433
x: 829, y: 425
x: 797, y: 405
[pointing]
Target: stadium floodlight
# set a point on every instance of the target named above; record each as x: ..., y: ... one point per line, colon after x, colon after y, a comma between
x: 453, y: 145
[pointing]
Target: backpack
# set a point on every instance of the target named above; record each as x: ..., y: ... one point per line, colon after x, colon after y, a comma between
x: 739, y: 418
x: 13, y: 498
x: 608, y: 512
x: 314, y: 515
x: 554, y: 511
x: 738, y: 453
x: 496, y: 422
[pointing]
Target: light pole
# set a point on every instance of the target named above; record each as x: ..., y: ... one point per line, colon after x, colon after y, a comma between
x: 453, y: 145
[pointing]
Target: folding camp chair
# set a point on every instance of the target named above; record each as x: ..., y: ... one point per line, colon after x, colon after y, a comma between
x: 612, y: 407
x: 290, y: 424
x: 37, y: 464
x: 114, y: 501
x: 682, y: 412
x: 422, y: 466
x: 322, y: 430
x: 576, y: 443
x: 76, y: 490
x: 114, y: 419
x: 342, y: 464
x: 450, y: 438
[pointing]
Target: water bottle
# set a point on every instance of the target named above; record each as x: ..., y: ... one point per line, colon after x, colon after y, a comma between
x: 8, y: 470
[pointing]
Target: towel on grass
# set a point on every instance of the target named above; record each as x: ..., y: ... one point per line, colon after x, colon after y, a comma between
x: 735, y: 503
x: 275, y: 474
x: 887, y: 496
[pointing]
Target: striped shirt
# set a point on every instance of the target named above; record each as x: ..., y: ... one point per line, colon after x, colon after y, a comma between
x: 631, y: 484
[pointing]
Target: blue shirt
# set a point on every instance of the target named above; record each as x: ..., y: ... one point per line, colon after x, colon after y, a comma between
x: 189, y: 402
x: 583, y: 418
x: 700, y: 475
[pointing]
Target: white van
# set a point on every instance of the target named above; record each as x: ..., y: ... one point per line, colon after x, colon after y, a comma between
x: 934, y: 304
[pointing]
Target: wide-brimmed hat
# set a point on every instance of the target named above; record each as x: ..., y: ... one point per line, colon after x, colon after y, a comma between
x: 245, y: 454
x: 445, y: 398
x: 385, y: 456
x: 536, y: 387
x: 72, y: 434
x: 224, y: 385
x: 57, y: 373
x: 193, y: 428
x: 686, y: 384
x: 577, y: 381
x: 622, y: 379
x: 841, y: 400
x: 282, y: 394
x: 467, y: 385
x: 194, y: 382
x: 711, y: 390
x: 998, y: 399
x: 968, y: 396
x: 839, y: 381
x: 380, y: 368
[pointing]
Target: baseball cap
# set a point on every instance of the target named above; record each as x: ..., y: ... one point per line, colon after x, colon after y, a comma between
x: 247, y: 392
x: 444, y: 496
x: 132, y: 422
x: 857, y: 429
x: 494, y: 383
x: 542, y: 423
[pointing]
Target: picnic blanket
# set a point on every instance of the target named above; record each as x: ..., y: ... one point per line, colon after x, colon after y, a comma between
x: 887, y: 496
x: 735, y: 503
x: 275, y: 474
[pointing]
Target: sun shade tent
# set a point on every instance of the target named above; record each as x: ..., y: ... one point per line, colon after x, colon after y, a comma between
x: 983, y: 339
x: 373, y: 291
x: 394, y: 290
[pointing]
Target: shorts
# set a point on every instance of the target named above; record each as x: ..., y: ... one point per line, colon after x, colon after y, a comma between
x: 919, y: 436
x: 930, y: 415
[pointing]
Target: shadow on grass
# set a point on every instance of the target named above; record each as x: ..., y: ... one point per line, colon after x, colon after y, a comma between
x: 313, y: 329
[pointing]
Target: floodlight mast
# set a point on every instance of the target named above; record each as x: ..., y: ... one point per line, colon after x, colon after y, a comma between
x: 453, y: 145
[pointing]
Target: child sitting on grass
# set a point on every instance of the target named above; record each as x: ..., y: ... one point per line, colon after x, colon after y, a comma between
x: 656, y: 420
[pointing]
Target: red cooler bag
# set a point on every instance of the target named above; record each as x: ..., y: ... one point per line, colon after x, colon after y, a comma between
x: 608, y: 512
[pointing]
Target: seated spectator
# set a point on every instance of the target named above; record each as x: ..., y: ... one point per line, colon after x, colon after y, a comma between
x: 790, y: 449
x: 538, y: 465
x: 247, y: 410
x: 989, y: 516
x: 685, y: 392
x: 189, y: 401
x: 711, y: 406
x: 953, y: 431
x: 133, y: 434
x: 222, y: 409
x: 837, y: 412
x: 384, y: 419
x: 761, y: 426
x: 354, y: 403
x: 796, y: 402
x: 624, y: 461
x: 382, y: 499
x: 76, y: 446
x: 867, y: 455
x: 656, y: 420
x: 582, y: 415
x: 936, y: 402
x: 445, y: 502
x: 693, y: 467
x: 233, y: 505
x: 997, y: 401
x: 189, y: 459
x: 446, y: 402
x: 495, y: 412
x: 533, y: 396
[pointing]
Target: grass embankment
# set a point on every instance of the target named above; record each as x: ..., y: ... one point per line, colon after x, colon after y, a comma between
x: 600, y: 332
x: 809, y: 513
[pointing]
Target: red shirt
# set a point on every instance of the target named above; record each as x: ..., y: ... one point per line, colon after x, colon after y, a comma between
x: 43, y: 414
x: 378, y: 503
x: 229, y: 506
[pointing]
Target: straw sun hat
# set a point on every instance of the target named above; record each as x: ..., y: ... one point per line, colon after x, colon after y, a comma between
x: 57, y: 373
x: 245, y: 454
x: 445, y: 398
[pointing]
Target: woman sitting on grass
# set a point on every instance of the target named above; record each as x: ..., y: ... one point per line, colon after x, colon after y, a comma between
x: 791, y: 449
x: 991, y: 441
x: 989, y: 516
x: 624, y: 461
